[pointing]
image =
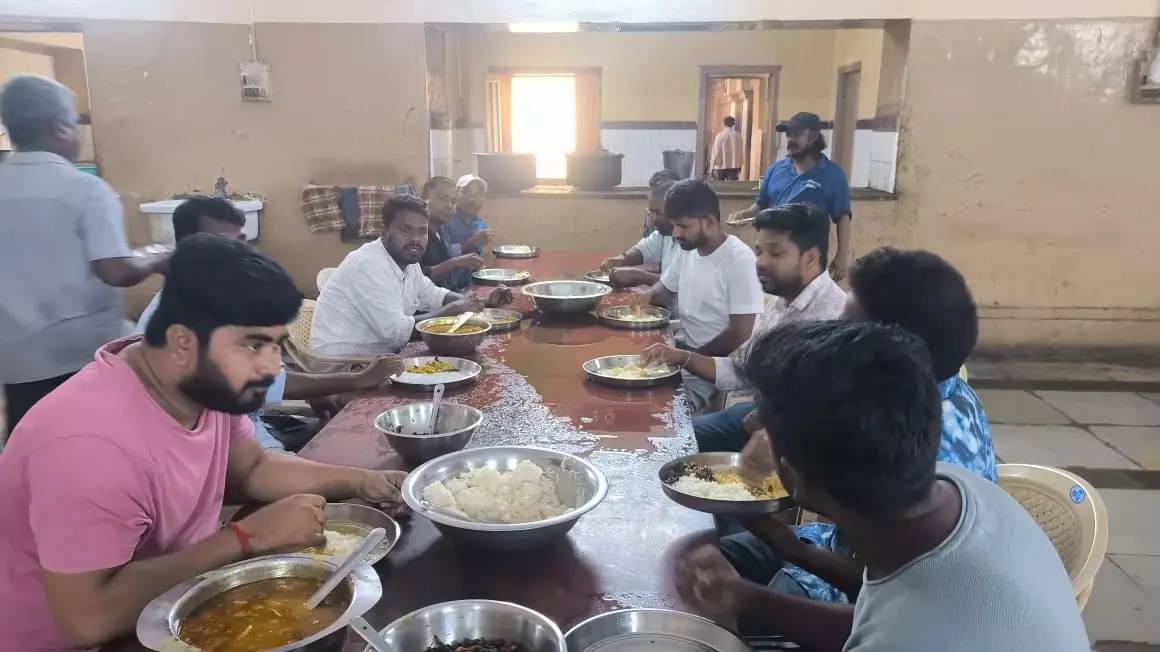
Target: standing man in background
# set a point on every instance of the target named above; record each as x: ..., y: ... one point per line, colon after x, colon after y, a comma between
x: 808, y: 170
x: 63, y: 251
x: 466, y: 233
x: 728, y: 152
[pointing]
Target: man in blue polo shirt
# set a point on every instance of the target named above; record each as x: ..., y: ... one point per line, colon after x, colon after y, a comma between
x: 808, y: 176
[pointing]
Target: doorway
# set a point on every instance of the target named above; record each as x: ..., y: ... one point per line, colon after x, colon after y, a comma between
x: 748, y: 94
x: 846, y: 115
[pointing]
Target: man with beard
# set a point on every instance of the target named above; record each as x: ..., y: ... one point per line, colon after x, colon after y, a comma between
x: 808, y: 170
x: 438, y: 263
x: 376, y: 296
x: 791, y: 250
x: 713, y: 281
x: 111, y: 489
x: 217, y: 215
x: 657, y: 248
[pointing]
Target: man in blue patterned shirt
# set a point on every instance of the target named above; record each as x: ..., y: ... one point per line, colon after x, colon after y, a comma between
x: 924, y: 294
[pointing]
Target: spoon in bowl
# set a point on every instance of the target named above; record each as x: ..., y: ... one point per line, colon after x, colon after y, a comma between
x: 436, y: 403
x: 368, y: 634
x: 460, y: 322
x: 355, y: 558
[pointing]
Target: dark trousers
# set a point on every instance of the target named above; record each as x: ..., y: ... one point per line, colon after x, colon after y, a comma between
x: 728, y: 174
x: 20, y: 397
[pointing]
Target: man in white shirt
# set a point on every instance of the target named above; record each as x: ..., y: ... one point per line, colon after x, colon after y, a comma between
x: 713, y: 281
x: 657, y: 249
x: 791, y: 245
x: 728, y: 152
x: 371, y: 304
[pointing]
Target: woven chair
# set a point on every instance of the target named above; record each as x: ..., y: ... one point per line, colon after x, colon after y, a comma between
x: 324, y: 276
x: 298, y: 347
x: 1071, y: 514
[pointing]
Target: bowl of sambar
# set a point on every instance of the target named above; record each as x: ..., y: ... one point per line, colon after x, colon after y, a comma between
x: 462, y: 342
x: 258, y: 605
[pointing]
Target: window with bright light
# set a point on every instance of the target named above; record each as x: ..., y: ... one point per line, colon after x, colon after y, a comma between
x: 543, y: 120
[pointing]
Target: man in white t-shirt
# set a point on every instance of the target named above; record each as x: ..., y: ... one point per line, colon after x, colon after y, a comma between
x: 714, y: 279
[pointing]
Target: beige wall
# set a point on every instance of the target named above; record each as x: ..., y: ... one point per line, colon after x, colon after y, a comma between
x: 861, y: 46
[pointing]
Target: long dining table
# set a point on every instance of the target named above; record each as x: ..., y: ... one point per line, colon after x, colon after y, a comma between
x: 532, y: 391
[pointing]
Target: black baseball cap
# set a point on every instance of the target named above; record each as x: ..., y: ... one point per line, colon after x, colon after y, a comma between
x: 801, y: 120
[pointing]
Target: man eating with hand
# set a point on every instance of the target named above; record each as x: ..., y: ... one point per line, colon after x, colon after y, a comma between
x: 656, y: 249
x: 111, y: 491
x: 376, y: 296
x: 438, y: 264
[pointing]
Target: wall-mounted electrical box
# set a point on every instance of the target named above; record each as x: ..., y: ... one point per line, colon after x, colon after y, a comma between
x: 255, y: 81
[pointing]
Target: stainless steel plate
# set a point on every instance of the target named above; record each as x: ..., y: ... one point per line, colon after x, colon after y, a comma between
x: 496, y: 276
x: 597, y: 372
x: 668, y: 473
x: 465, y: 372
x: 651, y: 630
x: 598, y: 277
x: 351, y: 518
x: 502, y: 320
x: 625, y: 317
x: 515, y: 251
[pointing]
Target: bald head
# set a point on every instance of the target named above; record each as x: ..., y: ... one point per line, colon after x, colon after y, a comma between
x: 40, y: 114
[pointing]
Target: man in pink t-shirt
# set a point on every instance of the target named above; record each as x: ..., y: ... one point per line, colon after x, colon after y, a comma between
x: 112, y: 486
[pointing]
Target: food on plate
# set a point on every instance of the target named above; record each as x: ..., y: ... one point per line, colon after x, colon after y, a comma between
x: 636, y: 316
x: 475, y: 645
x: 636, y: 372
x: 496, y: 319
x: 441, y: 329
x: 524, y: 495
x: 339, y: 543
x: 724, y: 484
x: 435, y: 366
x: 517, y: 249
x: 262, y: 615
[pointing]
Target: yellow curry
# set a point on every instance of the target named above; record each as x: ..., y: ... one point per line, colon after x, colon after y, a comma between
x: 440, y: 329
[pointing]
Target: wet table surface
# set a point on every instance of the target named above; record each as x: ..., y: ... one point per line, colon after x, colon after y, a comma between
x: 533, y: 392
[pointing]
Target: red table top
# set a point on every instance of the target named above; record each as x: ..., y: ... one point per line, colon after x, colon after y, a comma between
x: 533, y: 392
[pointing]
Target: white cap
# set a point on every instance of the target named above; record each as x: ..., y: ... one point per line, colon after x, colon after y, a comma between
x: 467, y: 179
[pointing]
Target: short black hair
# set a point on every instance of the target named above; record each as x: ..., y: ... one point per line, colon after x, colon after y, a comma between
x: 403, y: 202
x: 434, y: 181
x: 729, y: 121
x: 31, y: 107
x: 820, y: 143
x: 215, y: 282
x: 692, y: 198
x: 808, y: 226
x: 663, y: 177
x: 924, y: 294
x: 853, y: 407
x: 187, y: 218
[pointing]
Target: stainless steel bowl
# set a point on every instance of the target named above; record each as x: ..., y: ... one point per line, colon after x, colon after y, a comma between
x: 351, y: 518
x: 650, y: 317
x: 669, y: 473
x: 497, y: 276
x: 160, y: 622
x: 515, y: 251
x: 405, y: 427
x: 496, y: 317
x: 597, y: 372
x: 455, y: 621
x: 566, y: 297
x: 632, y: 630
x: 465, y: 372
x: 456, y: 343
x: 579, y: 485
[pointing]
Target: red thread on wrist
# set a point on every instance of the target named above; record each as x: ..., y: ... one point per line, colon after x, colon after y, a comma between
x: 243, y: 538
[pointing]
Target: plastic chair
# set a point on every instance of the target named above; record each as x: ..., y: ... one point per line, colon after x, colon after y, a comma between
x: 324, y: 276
x: 1069, y: 511
x: 298, y: 347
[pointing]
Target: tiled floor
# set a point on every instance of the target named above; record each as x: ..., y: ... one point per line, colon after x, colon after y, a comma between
x: 1111, y: 439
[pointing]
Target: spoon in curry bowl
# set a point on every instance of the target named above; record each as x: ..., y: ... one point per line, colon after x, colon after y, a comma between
x: 355, y: 558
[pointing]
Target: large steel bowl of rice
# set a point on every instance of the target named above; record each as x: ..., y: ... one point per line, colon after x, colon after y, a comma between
x: 505, y: 497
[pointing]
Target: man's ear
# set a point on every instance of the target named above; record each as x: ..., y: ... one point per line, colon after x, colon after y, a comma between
x: 183, y: 345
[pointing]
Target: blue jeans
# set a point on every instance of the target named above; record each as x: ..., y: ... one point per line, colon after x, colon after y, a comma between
x: 721, y: 432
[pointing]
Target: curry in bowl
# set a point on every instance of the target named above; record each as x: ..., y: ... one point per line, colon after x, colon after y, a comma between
x: 470, y: 328
x: 262, y: 615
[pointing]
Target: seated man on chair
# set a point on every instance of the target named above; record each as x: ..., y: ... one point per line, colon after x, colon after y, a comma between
x: 218, y: 216
x: 713, y: 281
x: 377, y: 295
x: 791, y: 246
x: 947, y: 560
x: 656, y: 250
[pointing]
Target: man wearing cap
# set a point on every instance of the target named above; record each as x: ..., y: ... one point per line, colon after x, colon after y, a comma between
x: 807, y: 175
x: 466, y: 233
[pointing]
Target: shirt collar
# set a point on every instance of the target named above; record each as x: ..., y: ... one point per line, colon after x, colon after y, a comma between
x: 392, y: 265
x: 809, y: 293
x: 949, y: 386
x: 37, y: 158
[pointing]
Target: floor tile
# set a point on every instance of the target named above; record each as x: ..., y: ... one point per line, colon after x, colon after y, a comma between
x: 1143, y: 569
x: 1120, y: 610
x: 1141, y: 445
x: 1133, y: 526
x: 1055, y: 446
x: 1014, y: 406
x: 1105, y: 408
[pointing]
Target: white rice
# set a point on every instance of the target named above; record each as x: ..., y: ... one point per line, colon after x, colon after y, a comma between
x: 687, y: 484
x: 339, y: 544
x: 524, y: 495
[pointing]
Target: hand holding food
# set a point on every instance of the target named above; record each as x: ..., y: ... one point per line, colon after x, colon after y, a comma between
x: 289, y: 525
x: 378, y: 371
x: 480, y: 239
x: 757, y: 454
x: 500, y: 296
x: 709, y: 583
x: 469, y: 261
x: 383, y: 489
x: 611, y: 263
x: 640, y: 299
x: 662, y: 354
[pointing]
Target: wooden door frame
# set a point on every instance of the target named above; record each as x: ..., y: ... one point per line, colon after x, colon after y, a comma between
x: 847, y: 69
x: 773, y: 77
